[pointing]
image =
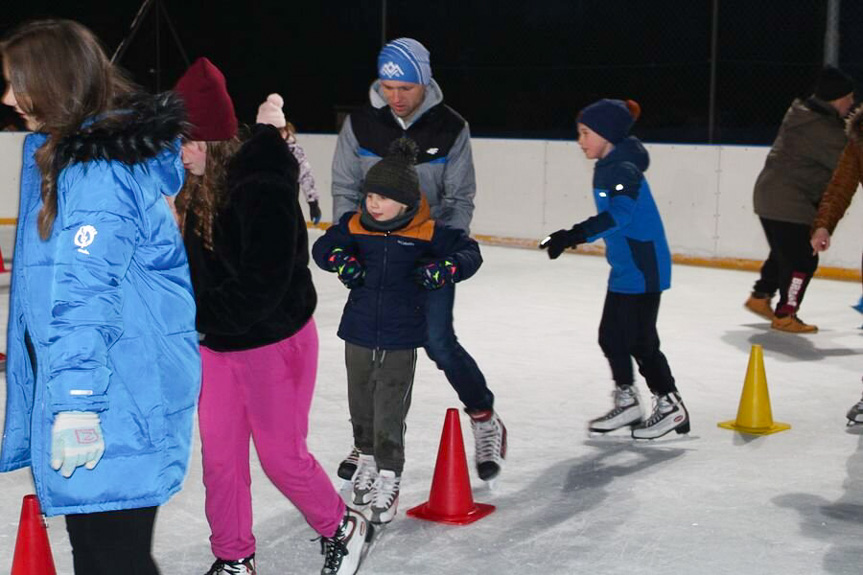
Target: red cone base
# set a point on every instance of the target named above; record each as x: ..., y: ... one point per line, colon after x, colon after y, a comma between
x: 32, y: 550
x: 451, y: 500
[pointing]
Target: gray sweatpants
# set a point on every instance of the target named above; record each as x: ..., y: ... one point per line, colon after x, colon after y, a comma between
x: 379, y: 395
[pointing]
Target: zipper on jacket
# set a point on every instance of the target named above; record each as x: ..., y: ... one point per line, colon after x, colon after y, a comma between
x: 381, y: 292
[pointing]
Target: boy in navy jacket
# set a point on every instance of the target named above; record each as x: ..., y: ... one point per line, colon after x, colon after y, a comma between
x: 388, y: 254
x: 638, y: 253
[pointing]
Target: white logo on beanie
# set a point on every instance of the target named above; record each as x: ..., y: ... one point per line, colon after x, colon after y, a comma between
x: 391, y: 70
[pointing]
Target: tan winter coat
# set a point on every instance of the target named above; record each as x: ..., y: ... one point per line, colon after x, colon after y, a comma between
x: 848, y: 175
x: 800, y: 163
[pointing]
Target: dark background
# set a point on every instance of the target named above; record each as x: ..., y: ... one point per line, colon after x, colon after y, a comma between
x: 513, y: 69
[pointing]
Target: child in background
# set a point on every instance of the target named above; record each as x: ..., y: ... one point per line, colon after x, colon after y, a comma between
x: 270, y: 112
x: 637, y: 251
x: 388, y: 253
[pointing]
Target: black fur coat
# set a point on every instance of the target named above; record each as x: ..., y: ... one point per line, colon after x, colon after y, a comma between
x: 255, y: 287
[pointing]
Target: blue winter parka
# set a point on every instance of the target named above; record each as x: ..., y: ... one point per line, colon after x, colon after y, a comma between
x: 388, y: 310
x: 629, y: 222
x: 107, y: 303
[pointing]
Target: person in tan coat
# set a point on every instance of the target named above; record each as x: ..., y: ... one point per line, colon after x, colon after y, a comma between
x: 789, y: 187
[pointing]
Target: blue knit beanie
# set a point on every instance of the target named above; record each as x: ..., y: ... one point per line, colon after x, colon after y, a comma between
x: 611, y: 119
x: 405, y: 60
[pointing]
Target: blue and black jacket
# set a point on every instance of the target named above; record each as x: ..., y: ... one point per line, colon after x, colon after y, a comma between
x: 388, y: 310
x: 629, y: 222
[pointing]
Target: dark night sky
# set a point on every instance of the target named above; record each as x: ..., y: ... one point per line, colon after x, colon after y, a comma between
x: 513, y: 69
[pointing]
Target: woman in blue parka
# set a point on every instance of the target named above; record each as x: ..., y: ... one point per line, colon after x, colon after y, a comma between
x: 103, y: 368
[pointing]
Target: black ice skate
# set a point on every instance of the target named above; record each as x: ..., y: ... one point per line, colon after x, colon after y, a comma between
x: 348, y: 466
x: 669, y: 414
x: 489, y: 434
x: 626, y: 411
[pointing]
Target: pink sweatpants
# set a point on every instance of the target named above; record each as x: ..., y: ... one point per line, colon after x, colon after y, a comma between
x: 264, y: 393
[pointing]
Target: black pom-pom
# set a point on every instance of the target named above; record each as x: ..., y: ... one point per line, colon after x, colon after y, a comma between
x: 404, y: 149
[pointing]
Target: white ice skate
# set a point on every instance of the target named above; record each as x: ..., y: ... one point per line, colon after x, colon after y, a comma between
x: 345, y: 550
x: 669, y: 414
x: 489, y: 434
x: 364, y: 480
x: 244, y: 566
x: 385, y: 497
x: 626, y: 411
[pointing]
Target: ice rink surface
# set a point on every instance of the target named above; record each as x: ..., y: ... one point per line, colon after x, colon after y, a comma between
x: 715, y: 502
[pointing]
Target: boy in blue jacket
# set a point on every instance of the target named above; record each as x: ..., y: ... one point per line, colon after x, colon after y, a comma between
x: 388, y: 254
x: 638, y: 253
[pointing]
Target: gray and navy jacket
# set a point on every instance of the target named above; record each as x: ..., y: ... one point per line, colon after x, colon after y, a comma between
x: 629, y: 222
x: 444, y: 165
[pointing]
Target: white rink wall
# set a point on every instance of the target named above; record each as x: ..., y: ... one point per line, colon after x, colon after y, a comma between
x: 527, y: 188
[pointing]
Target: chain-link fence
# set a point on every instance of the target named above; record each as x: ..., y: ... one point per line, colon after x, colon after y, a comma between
x: 704, y: 71
x: 721, y: 71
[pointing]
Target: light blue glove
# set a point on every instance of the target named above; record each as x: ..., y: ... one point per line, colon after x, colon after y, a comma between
x: 76, y: 440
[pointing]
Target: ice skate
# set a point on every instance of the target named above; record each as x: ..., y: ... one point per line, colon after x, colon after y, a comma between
x: 364, y: 480
x: 385, y: 497
x: 489, y: 434
x: 669, y: 414
x: 244, y: 566
x: 855, y: 414
x: 344, y: 551
x: 348, y: 466
x: 626, y: 411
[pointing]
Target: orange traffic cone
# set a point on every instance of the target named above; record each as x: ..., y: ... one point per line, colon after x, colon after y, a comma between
x: 754, y: 415
x: 451, y: 500
x: 32, y: 550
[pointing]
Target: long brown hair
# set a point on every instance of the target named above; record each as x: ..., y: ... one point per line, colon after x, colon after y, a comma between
x: 61, y: 76
x: 205, y: 195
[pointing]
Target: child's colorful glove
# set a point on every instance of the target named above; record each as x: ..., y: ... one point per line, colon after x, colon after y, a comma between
x: 315, y: 212
x: 562, y: 239
x: 435, y: 275
x: 349, y: 268
x: 76, y: 440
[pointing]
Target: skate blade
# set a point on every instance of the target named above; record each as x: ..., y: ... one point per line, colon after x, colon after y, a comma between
x: 373, y: 535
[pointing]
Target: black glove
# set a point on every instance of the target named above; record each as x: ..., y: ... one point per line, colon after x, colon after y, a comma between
x: 349, y: 268
x: 436, y: 274
x: 562, y: 239
x: 314, y: 212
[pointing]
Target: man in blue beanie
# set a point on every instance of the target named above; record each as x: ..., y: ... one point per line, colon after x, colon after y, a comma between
x: 405, y: 101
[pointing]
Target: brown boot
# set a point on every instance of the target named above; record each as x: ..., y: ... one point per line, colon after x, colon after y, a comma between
x: 792, y: 324
x: 760, y: 306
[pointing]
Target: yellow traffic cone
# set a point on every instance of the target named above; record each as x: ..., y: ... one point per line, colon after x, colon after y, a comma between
x: 754, y: 415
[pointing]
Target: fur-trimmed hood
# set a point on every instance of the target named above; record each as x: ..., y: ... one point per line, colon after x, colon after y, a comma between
x: 143, y: 126
x: 854, y: 126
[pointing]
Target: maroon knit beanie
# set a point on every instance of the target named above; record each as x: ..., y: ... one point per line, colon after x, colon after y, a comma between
x: 208, y: 104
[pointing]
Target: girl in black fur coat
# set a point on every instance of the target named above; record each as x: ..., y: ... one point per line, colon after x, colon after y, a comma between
x: 248, y: 251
